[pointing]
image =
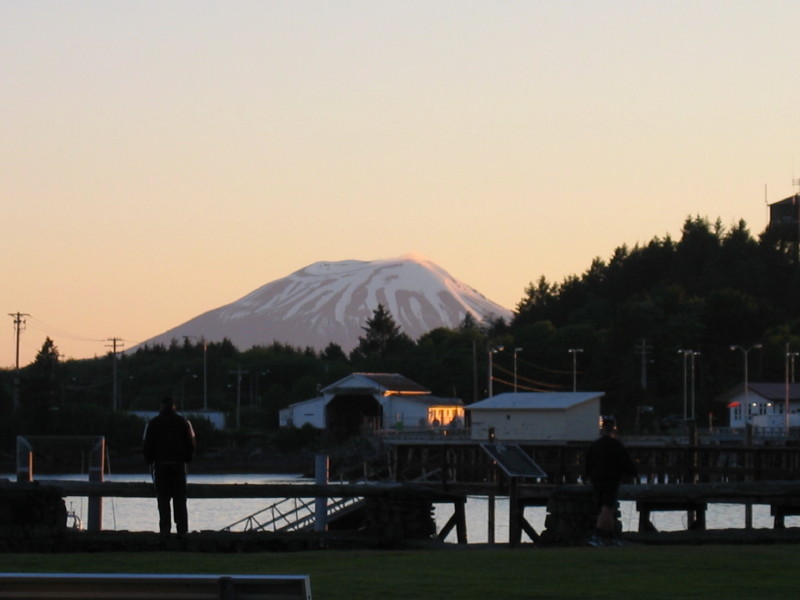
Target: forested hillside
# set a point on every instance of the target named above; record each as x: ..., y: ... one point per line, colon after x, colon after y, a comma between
x: 636, y: 312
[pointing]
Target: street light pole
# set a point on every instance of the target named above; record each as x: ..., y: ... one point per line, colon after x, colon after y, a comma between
x: 205, y: 373
x: 685, y: 354
x: 745, y: 352
x: 238, y: 372
x: 574, y: 352
x: 492, y: 351
x: 202, y: 340
x: 691, y: 356
x: 687, y: 373
x: 789, y: 359
x: 516, y: 350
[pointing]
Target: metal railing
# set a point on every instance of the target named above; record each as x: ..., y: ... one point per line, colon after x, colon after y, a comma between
x: 291, y: 514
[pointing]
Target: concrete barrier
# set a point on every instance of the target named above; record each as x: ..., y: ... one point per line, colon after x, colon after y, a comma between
x: 142, y: 586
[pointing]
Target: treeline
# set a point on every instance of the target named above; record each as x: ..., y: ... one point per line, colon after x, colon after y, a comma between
x: 622, y: 327
x: 637, y: 314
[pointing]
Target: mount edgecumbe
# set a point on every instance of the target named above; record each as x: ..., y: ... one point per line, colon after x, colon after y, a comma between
x: 330, y: 302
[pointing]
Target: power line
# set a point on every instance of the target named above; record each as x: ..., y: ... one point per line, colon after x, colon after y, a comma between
x: 522, y: 387
x: 534, y: 382
x: 48, y: 328
x: 546, y: 369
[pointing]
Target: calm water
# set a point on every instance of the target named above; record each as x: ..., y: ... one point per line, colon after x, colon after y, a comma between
x: 141, y: 514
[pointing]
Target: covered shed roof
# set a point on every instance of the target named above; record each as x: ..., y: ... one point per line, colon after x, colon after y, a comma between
x: 535, y: 400
x: 772, y: 391
x: 376, y: 382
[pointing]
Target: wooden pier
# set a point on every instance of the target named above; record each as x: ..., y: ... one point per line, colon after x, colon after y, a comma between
x: 464, y: 461
x: 674, y: 478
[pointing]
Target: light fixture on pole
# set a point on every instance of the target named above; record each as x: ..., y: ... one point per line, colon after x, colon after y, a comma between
x: 574, y: 352
x: 685, y: 353
x: 492, y: 351
x: 745, y: 352
x: 516, y: 351
x: 687, y: 373
x: 789, y: 358
x: 691, y: 357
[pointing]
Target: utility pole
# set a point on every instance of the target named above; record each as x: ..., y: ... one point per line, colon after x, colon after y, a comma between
x: 114, y: 387
x: 19, y: 323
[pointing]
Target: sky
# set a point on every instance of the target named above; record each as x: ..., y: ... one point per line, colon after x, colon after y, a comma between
x: 159, y: 159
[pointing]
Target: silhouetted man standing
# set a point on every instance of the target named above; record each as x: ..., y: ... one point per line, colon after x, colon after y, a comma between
x: 168, y: 447
x: 607, y: 462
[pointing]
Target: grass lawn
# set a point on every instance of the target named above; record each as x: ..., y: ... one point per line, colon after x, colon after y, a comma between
x: 631, y: 572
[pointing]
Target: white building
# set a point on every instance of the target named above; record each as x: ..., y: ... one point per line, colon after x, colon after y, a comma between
x: 527, y: 416
x: 763, y: 405
x: 365, y: 402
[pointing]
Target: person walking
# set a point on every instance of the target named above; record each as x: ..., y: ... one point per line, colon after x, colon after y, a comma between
x: 169, y: 444
x: 607, y: 462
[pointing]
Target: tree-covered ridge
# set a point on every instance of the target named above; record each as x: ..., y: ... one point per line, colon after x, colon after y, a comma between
x: 707, y: 259
x: 630, y: 316
x: 713, y: 288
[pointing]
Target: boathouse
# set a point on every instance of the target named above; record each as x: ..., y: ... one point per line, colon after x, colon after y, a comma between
x: 368, y: 402
x: 529, y: 416
x: 763, y: 405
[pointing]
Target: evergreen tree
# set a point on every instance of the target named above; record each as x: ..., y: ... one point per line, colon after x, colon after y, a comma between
x: 382, y: 337
x: 42, y: 385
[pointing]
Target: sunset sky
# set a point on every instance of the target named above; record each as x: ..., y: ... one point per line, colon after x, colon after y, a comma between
x: 159, y: 159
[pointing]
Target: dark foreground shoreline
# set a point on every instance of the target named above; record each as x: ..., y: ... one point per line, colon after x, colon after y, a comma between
x: 75, y: 541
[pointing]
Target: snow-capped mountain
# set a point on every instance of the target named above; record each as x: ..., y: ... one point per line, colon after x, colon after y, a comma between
x: 331, y: 301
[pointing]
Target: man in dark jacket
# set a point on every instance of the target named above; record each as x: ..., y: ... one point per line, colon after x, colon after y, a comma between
x: 168, y: 447
x: 607, y: 462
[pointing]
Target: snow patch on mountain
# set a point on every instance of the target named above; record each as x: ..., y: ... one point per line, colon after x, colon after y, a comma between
x: 330, y: 302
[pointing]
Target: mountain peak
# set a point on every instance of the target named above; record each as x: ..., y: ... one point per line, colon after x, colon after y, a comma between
x: 330, y: 302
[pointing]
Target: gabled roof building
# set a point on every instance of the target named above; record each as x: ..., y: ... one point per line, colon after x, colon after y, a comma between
x: 368, y: 402
x: 526, y: 416
x: 763, y: 405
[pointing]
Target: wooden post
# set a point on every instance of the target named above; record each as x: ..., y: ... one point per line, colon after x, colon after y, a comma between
x: 491, y: 497
x: 458, y: 520
x: 461, y: 521
x: 24, y: 460
x: 26, y: 474
x: 321, y: 469
x: 97, y: 464
x: 490, y: 519
x: 514, y: 529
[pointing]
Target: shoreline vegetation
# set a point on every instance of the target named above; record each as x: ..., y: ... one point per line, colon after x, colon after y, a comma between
x: 657, y: 573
